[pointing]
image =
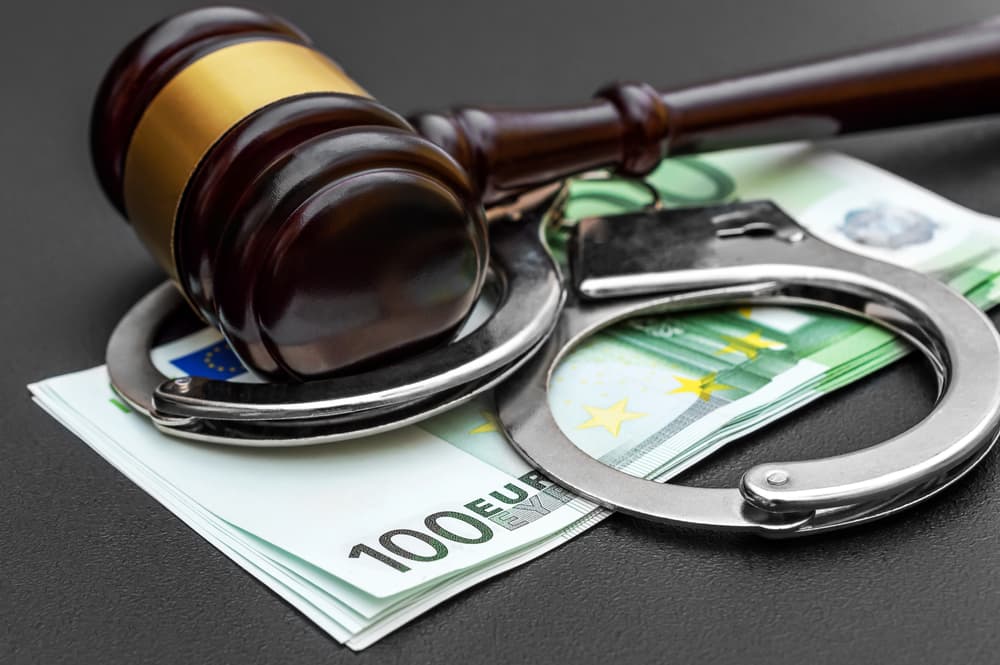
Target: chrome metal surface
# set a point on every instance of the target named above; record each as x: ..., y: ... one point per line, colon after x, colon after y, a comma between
x: 525, y: 315
x: 263, y: 414
x: 654, y: 261
x: 754, y: 253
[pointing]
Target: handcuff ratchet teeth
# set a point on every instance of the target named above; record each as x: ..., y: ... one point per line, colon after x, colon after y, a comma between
x: 654, y: 261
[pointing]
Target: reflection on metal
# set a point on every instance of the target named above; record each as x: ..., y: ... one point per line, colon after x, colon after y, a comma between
x: 649, y: 262
x: 652, y: 263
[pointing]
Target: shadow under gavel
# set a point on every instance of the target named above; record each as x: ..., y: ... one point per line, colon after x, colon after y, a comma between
x: 322, y: 232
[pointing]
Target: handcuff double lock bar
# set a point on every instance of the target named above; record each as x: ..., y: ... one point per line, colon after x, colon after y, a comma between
x: 649, y: 262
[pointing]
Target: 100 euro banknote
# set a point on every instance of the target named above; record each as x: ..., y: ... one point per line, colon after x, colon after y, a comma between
x: 365, y: 535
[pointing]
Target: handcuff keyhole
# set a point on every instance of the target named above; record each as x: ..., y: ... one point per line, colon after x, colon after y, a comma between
x: 750, y: 229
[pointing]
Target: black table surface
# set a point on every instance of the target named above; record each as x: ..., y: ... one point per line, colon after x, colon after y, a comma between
x: 94, y: 570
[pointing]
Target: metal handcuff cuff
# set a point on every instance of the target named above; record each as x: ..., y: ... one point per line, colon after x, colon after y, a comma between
x: 650, y: 262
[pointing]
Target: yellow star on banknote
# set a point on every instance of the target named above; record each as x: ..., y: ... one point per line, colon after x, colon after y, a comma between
x: 745, y: 311
x: 489, y: 424
x: 610, y: 418
x: 703, y: 387
x: 748, y: 345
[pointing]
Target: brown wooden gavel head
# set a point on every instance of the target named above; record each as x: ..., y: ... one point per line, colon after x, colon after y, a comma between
x: 308, y: 222
x: 322, y: 232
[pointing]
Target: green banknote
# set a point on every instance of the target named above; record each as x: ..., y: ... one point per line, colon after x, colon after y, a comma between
x: 365, y: 535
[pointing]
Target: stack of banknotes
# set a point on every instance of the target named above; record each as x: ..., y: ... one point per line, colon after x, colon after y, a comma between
x: 365, y: 535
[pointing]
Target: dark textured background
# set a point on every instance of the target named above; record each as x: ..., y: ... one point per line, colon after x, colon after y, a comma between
x: 93, y: 570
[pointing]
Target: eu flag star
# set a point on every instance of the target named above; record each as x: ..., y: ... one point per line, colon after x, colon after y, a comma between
x: 215, y: 361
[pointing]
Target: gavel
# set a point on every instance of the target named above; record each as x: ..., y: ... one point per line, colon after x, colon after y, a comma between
x: 324, y: 233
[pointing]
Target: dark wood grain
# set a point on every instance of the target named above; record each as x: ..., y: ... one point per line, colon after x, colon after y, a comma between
x: 94, y: 570
x: 631, y: 126
x: 306, y: 216
x: 251, y: 199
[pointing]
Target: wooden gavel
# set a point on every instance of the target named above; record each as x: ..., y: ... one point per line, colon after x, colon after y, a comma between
x: 322, y: 232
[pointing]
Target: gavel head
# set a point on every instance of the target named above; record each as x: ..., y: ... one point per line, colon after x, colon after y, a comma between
x: 312, y: 225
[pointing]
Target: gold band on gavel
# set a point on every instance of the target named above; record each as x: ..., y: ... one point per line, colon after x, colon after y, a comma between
x: 195, y: 109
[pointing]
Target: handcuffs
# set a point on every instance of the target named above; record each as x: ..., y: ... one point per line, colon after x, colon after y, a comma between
x: 649, y: 262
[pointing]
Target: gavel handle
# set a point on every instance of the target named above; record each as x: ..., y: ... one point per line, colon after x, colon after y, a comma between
x: 631, y: 126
